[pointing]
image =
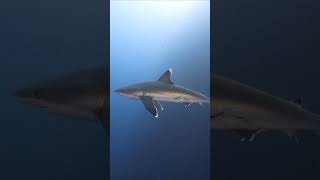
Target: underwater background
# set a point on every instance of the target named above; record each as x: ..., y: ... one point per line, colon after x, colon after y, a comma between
x: 147, y: 38
x: 40, y: 40
x: 273, y: 46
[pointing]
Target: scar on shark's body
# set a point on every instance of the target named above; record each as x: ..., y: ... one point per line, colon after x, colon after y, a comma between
x: 150, y: 93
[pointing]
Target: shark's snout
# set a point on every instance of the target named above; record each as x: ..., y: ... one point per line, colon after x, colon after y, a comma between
x: 23, y: 93
x: 120, y: 91
x: 28, y: 94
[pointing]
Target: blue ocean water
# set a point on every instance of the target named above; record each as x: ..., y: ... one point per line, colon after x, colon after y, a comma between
x: 147, y: 38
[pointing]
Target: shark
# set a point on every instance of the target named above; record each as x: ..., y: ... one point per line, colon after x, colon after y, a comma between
x: 235, y: 106
x: 82, y: 94
x: 151, y: 93
x: 249, y: 111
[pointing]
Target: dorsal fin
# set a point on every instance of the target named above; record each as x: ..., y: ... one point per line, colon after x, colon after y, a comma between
x: 298, y: 101
x: 166, y: 77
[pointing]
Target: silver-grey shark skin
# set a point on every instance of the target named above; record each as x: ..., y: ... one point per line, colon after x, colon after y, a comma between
x: 236, y: 106
x: 150, y: 93
x: 81, y: 94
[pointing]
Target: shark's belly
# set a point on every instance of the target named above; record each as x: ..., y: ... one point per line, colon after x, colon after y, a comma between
x: 235, y: 115
x: 169, y: 99
x: 174, y: 97
x: 230, y: 115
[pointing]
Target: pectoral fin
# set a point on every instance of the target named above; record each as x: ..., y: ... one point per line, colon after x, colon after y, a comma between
x: 101, y: 113
x: 158, y: 105
x: 215, y: 115
x: 248, y: 135
x: 149, y: 104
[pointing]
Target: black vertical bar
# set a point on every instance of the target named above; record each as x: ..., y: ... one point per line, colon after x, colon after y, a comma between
x: 212, y: 11
x: 107, y: 42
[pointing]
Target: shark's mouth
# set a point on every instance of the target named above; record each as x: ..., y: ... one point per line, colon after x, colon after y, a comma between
x: 69, y: 111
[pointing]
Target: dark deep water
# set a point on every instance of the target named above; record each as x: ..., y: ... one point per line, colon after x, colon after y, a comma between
x: 40, y: 40
x: 274, y: 46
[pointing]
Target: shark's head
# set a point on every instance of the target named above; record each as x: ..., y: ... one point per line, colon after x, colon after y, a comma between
x: 130, y: 91
x: 36, y: 96
x: 81, y: 94
x: 45, y: 97
x: 66, y: 101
